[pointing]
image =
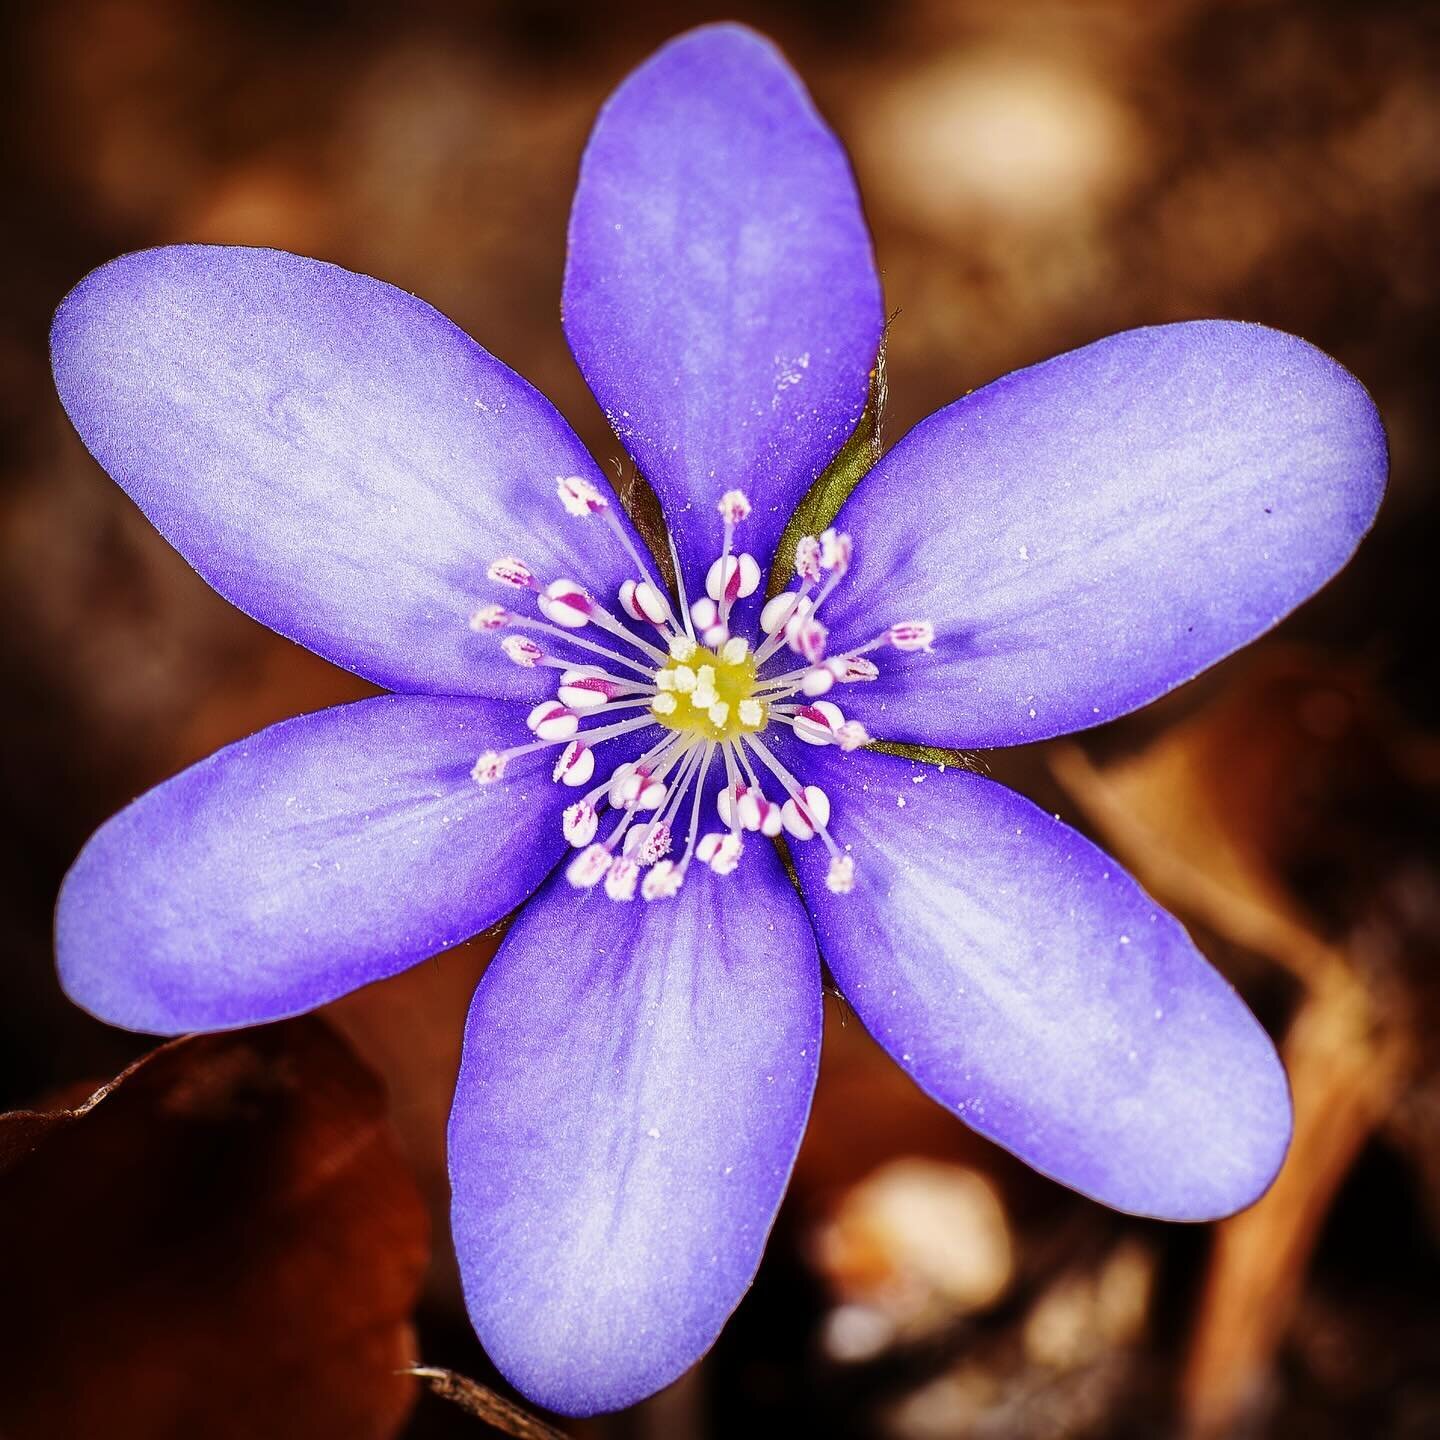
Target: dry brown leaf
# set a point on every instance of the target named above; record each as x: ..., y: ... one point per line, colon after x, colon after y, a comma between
x: 222, y: 1242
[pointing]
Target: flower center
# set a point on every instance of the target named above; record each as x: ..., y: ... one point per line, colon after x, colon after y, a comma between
x: 705, y: 696
x: 710, y: 693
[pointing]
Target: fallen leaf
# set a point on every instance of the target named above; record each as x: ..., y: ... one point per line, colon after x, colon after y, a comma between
x: 222, y: 1242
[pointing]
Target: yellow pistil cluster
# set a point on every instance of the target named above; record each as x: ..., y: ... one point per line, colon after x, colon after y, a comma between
x: 708, y: 692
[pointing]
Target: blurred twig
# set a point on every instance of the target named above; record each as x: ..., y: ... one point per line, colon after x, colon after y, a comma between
x: 484, y: 1404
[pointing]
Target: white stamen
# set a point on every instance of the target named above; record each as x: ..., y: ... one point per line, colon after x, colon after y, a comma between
x: 488, y: 768
x: 835, y: 550
x: 816, y: 724
x: 579, y: 496
x: 682, y: 647
x: 912, y: 635
x: 852, y: 735
x: 817, y: 681
x: 576, y: 764
x: 489, y: 617
x: 566, y: 603
x: 848, y: 669
x: 621, y: 880
x: 752, y: 811
x: 633, y: 787
x: 752, y: 712
x: 579, y: 822
x: 510, y: 571
x: 586, y: 693
x: 663, y: 881
x: 664, y: 703
x: 779, y: 610
x: 805, y: 821
x: 550, y: 720
x: 641, y: 600
x: 734, y: 650
x: 648, y: 845
x: 732, y: 577
x: 734, y: 506
x: 585, y: 870
x: 718, y: 714
x: 840, y: 878
x: 808, y: 638
x: 720, y: 851
x: 680, y: 588
x: 522, y: 651
x: 807, y: 558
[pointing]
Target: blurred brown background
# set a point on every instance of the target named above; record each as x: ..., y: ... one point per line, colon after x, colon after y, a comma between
x: 1037, y: 175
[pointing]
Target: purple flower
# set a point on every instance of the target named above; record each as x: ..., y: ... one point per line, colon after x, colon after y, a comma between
x: 1045, y: 554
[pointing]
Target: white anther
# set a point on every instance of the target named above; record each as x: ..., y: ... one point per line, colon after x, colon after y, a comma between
x: 805, y: 821
x: 704, y: 695
x: 662, y: 882
x: 752, y: 713
x: 648, y: 844
x: 818, y: 681
x: 682, y: 647
x: 734, y: 506
x: 583, y: 692
x: 705, y: 613
x: 488, y: 768
x: 550, y: 720
x: 585, y: 870
x: 522, y: 651
x: 621, y: 879
x: 664, y: 703
x: 746, y: 812
x: 510, y: 571
x: 911, y: 635
x: 847, y: 669
x: 576, y: 764
x: 664, y: 679
x: 565, y: 603
x: 684, y: 679
x: 840, y: 878
x: 618, y: 777
x: 852, y: 735
x: 725, y: 801
x: 640, y: 600
x: 816, y: 724
x: 579, y: 822
x: 720, y: 851
x: 632, y: 788
x: 807, y: 638
x: 807, y: 557
x: 579, y: 496
x: 758, y: 813
x: 779, y: 610
x: 718, y: 714
x: 490, y: 617
x: 732, y: 577
x: 835, y: 550
x: 772, y: 818
x: 627, y: 599
x: 734, y: 651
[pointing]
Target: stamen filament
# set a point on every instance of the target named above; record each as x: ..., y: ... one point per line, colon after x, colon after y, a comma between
x: 525, y: 622
x: 680, y: 586
x: 794, y: 789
